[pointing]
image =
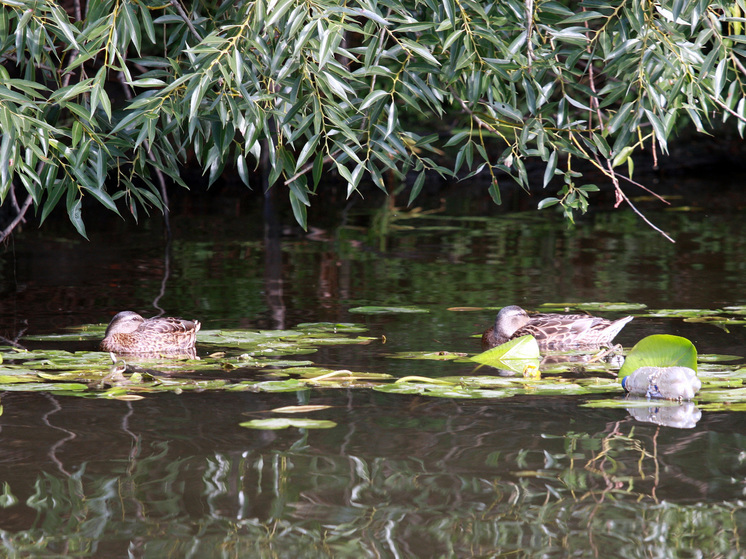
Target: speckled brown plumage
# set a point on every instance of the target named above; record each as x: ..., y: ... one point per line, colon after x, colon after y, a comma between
x: 552, y: 331
x: 128, y: 332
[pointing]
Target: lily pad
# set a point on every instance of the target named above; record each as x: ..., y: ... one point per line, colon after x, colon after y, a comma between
x: 524, y: 347
x: 276, y: 423
x: 300, y: 409
x: 715, y: 358
x: 681, y: 313
x: 387, y: 310
x: 660, y: 350
x: 519, y: 355
x: 595, y: 306
x: 428, y: 355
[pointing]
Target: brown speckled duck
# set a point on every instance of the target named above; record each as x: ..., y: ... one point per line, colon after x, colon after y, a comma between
x: 552, y: 331
x: 128, y: 332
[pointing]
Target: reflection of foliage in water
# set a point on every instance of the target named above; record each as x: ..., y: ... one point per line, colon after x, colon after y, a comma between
x: 596, y: 495
x: 468, y: 261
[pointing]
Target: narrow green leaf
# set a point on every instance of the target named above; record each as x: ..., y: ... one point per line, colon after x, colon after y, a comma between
x: 416, y: 187
x: 551, y: 168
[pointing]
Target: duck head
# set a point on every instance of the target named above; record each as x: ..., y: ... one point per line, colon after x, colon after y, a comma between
x: 124, y: 322
x: 509, y: 320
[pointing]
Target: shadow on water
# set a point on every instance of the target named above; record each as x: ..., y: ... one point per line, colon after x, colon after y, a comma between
x: 175, y: 475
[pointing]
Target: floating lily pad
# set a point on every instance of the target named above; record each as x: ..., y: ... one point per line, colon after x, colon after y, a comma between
x: 681, y: 313
x: 524, y: 347
x: 736, y: 309
x: 722, y: 406
x: 715, y: 358
x: 595, y: 306
x: 387, y: 310
x: 276, y: 423
x: 442, y: 390
x: 660, y: 350
x: 519, y: 355
x: 333, y: 327
x: 290, y: 385
x: 300, y: 409
x: 43, y: 387
x: 428, y: 355
x: 718, y: 320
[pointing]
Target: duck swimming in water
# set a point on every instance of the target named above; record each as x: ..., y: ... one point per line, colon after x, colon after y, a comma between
x: 128, y: 332
x: 552, y: 331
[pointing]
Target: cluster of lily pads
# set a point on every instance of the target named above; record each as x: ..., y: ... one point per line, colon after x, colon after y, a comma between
x: 274, y: 359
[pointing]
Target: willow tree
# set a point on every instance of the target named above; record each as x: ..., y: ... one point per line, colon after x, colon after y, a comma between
x: 107, y: 99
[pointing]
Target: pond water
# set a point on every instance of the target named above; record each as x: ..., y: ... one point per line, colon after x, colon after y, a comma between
x: 173, y: 474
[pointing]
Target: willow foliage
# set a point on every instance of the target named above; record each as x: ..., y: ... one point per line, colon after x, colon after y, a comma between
x: 105, y: 99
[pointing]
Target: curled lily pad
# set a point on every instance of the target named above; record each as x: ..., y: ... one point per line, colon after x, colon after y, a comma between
x: 300, y: 409
x: 524, y: 347
x: 660, y: 350
x: 285, y: 422
x: 518, y: 355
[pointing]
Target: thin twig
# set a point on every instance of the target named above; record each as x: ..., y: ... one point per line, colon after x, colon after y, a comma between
x: 621, y: 195
x: 645, y: 188
x: 185, y: 17
x: 9, y: 229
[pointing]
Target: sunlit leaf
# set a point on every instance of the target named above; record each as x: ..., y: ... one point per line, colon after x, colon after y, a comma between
x: 284, y: 423
x: 523, y: 348
x: 660, y: 350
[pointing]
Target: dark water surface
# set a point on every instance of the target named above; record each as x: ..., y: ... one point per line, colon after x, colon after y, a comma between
x: 174, y: 475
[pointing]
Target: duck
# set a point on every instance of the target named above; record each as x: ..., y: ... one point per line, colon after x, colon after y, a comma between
x: 552, y: 331
x: 130, y: 333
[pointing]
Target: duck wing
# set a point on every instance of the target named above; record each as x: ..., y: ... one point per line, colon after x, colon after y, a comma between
x: 168, y: 325
x: 551, y: 326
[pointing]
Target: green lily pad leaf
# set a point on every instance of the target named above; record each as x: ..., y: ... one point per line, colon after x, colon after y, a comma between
x: 660, y: 350
x: 337, y: 340
x: 723, y: 406
x: 595, y: 306
x: 680, y: 313
x: 289, y: 385
x: 20, y: 376
x: 715, y: 358
x: 728, y: 395
x: 43, y: 387
x: 332, y: 327
x: 442, y: 390
x: 736, y: 309
x: 386, y: 310
x: 285, y: 422
x: 428, y: 355
x: 242, y: 337
x: 516, y: 355
x: 715, y: 320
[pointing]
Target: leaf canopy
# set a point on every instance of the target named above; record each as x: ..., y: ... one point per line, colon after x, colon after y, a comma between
x: 101, y: 103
